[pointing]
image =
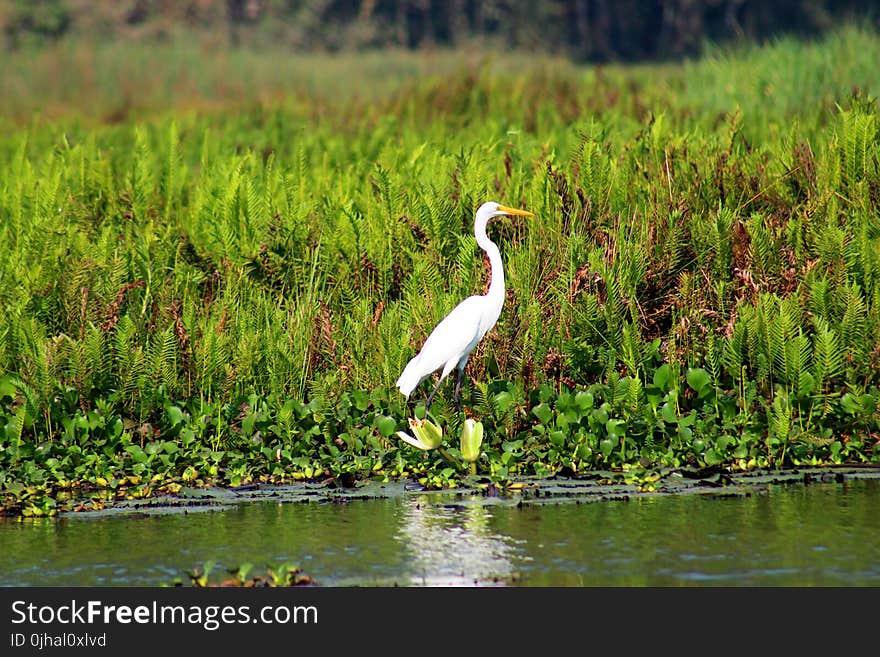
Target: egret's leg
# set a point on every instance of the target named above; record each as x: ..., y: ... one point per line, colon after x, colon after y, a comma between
x: 462, y: 363
x: 457, y: 395
x: 431, y: 396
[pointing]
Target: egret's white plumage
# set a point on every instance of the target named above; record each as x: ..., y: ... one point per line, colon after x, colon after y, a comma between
x: 454, y: 338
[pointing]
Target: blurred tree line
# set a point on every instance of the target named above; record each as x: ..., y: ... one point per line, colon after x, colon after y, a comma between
x: 589, y: 30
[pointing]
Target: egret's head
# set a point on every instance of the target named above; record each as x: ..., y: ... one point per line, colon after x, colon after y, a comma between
x: 490, y: 210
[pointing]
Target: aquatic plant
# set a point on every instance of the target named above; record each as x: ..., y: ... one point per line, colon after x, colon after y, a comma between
x: 217, y: 297
x: 471, y: 439
x: 285, y: 574
x: 427, y: 434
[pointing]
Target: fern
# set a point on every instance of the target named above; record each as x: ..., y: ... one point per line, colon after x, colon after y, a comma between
x: 853, y: 324
x: 634, y: 394
x: 595, y: 168
x: 866, y: 253
x: 227, y: 229
x: 821, y: 303
x: 734, y: 349
x: 721, y: 240
x: 797, y: 352
x: 827, y: 353
x: 714, y: 356
x: 129, y: 363
x: 464, y: 263
x: 141, y: 176
x: 47, y: 190
x: 779, y: 419
x: 859, y: 134
x: 630, y: 349
x: 783, y: 327
x: 171, y: 175
x: 373, y: 219
x: 762, y: 249
x: 256, y: 212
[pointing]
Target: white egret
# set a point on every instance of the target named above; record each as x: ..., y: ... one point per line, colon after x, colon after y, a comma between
x: 453, y: 339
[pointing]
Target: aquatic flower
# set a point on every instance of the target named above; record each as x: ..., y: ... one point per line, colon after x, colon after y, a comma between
x: 427, y: 434
x: 471, y: 439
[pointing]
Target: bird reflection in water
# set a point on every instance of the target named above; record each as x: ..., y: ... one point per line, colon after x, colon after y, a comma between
x: 455, y: 545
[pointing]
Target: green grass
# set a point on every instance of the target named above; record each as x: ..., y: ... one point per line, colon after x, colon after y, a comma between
x: 207, y: 289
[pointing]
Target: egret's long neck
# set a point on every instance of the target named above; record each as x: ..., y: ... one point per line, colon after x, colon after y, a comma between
x: 496, y: 286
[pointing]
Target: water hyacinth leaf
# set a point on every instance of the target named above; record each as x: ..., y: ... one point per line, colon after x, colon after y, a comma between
x: 361, y: 400
x: 174, y: 414
x: 247, y: 424
x: 583, y: 400
x: 7, y: 388
x: 654, y: 395
x: 849, y: 403
x: 687, y: 420
x: 698, y: 379
x: 137, y: 454
x: 724, y: 442
x: 564, y: 402
x: 94, y: 419
x: 386, y: 425
x: 615, y: 427
x: 117, y: 426
x: 502, y: 402
x: 712, y: 457
x: 543, y: 413
x: 512, y: 445
x: 663, y: 377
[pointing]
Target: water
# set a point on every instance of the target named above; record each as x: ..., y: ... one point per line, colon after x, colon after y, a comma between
x: 817, y: 535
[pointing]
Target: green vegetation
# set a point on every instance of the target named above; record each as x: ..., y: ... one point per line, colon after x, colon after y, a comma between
x: 282, y: 575
x: 225, y: 296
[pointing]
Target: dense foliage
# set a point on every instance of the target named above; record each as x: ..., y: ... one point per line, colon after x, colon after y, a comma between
x: 229, y: 296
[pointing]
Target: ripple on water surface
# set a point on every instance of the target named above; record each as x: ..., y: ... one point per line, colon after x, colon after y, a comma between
x: 821, y: 534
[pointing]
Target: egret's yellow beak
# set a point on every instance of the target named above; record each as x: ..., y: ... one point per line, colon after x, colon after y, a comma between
x: 522, y: 213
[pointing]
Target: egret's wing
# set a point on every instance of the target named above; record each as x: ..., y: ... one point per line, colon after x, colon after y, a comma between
x: 455, y: 335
